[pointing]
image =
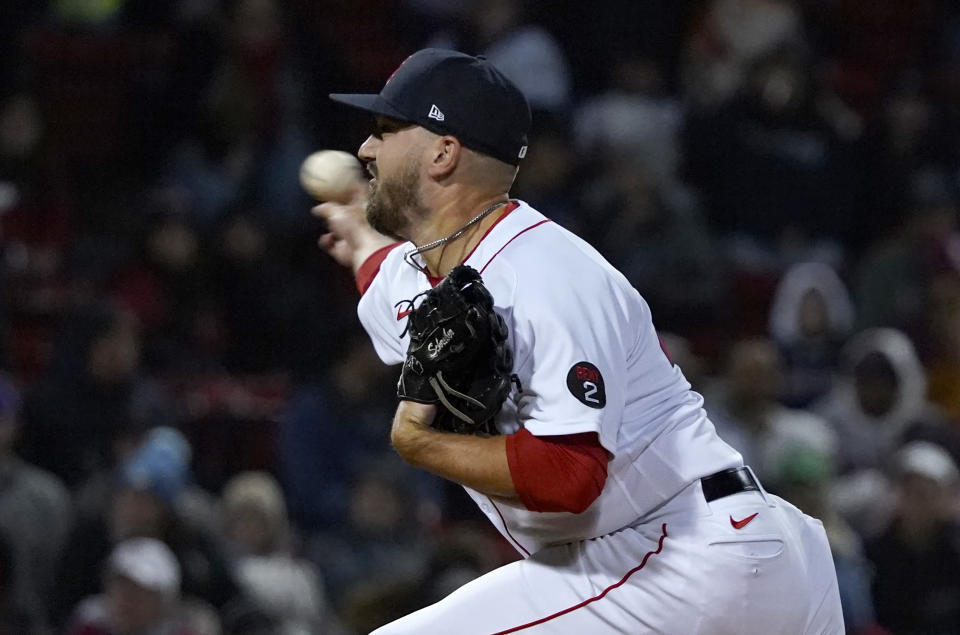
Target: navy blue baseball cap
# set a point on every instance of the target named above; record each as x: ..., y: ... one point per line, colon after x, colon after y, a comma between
x: 451, y: 93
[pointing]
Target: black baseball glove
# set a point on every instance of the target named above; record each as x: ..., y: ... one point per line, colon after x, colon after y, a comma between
x: 458, y: 356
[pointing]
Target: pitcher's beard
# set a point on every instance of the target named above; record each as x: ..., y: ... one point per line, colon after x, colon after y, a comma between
x: 390, y: 198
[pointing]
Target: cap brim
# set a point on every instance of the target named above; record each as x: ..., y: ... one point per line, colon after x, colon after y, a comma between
x: 370, y: 103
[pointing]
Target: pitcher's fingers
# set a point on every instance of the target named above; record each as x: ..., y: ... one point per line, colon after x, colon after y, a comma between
x: 322, y: 210
x: 360, y: 192
x: 328, y: 241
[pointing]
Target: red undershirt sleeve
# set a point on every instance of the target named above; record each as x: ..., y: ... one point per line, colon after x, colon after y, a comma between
x: 557, y: 473
x: 371, y: 266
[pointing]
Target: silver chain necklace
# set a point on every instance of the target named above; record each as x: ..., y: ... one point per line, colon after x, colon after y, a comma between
x: 408, y: 257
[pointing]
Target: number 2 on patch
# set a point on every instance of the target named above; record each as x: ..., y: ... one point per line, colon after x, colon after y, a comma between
x: 589, y: 390
x: 585, y: 382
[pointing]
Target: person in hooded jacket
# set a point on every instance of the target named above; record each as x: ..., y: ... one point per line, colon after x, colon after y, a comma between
x: 878, y: 403
x: 810, y: 318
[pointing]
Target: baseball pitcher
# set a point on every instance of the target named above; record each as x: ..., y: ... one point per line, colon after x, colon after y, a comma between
x: 531, y: 374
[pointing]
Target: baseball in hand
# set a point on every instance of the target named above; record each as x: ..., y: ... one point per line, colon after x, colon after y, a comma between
x: 330, y: 175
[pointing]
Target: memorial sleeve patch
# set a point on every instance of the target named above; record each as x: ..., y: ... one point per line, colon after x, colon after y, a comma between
x: 586, y: 384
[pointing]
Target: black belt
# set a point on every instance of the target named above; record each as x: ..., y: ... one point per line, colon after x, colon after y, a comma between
x: 727, y: 482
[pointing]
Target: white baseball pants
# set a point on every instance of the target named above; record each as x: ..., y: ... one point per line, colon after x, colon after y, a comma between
x: 686, y: 570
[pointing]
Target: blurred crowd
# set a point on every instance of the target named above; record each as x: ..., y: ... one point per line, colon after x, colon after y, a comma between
x: 193, y: 429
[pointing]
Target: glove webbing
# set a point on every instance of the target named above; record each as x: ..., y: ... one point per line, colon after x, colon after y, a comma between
x: 443, y: 398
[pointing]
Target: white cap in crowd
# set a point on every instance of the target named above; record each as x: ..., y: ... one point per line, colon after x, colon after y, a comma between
x: 929, y: 460
x: 149, y: 563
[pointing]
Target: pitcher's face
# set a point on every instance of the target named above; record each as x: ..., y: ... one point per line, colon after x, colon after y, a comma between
x: 392, y: 159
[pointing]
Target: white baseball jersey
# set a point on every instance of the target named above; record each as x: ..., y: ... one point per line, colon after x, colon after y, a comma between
x: 651, y: 554
x: 588, y: 359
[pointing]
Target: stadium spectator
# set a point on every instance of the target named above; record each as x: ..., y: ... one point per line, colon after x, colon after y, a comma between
x: 802, y: 473
x: 146, y: 503
x: 14, y: 618
x: 248, y: 285
x: 525, y: 52
x: 380, y: 537
x: 878, y: 403
x: 287, y: 588
x: 635, y: 116
x: 141, y: 592
x: 252, y: 144
x: 893, y: 279
x: 917, y: 556
x: 744, y: 408
x: 321, y: 458
x: 164, y: 287
x: 810, y: 318
x: 776, y: 166
x: 71, y: 418
x: 653, y: 230
x: 462, y: 553
x: 728, y: 38
x: 35, y: 516
x: 879, y: 395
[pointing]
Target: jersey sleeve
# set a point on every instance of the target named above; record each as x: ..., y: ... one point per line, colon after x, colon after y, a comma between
x: 572, y: 344
x: 557, y: 474
x: 376, y: 313
x: 368, y: 271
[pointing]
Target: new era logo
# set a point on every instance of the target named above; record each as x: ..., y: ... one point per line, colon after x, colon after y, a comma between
x: 523, y: 152
x: 435, y: 113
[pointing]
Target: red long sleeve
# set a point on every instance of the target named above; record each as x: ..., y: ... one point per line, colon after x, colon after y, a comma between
x: 558, y: 473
